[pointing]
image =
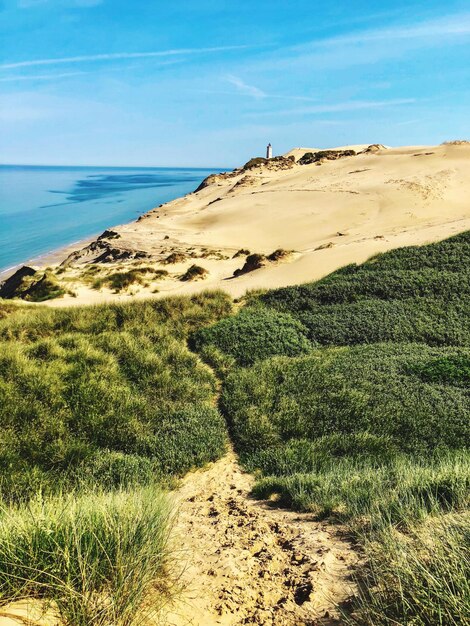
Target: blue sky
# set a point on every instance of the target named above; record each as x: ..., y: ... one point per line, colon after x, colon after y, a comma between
x: 205, y: 83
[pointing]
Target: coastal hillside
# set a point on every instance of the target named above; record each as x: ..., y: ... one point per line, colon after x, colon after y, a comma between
x: 270, y: 223
x: 299, y: 457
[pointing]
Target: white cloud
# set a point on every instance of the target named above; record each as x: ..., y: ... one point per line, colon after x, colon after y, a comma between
x: 114, y: 56
x: 249, y: 90
x: 40, y: 77
x: 338, y: 107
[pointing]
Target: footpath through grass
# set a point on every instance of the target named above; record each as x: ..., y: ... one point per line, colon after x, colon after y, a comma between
x: 353, y: 401
x: 349, y: 398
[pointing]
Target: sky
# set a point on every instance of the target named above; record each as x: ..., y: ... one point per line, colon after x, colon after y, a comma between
x: 205, y: 83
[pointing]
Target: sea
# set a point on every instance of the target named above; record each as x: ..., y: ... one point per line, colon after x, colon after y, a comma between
x: 44, y: 208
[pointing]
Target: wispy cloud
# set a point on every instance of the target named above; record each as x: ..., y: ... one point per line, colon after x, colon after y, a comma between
x: 255, y: 92
x: 451, y: 25
x: 244, y: 88
x: 369, y: 46
x: 28, y: 4
x: 115, y: 56
x: 338, y: 107
x: 5, y: 79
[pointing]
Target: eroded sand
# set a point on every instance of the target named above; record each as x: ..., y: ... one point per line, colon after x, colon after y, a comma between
x: 331, y: 214
x: 249, y: 563
x: 241, y: 561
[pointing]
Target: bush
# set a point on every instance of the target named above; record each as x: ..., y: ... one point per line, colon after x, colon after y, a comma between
x: 96, y: 556
x: 365, y: 389
x: 112, y: 381
x: 432, y: 321
x: 195, y: 272
x: 254, y: 335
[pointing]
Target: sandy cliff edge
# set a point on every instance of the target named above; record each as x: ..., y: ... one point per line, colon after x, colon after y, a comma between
x: 326, y: 214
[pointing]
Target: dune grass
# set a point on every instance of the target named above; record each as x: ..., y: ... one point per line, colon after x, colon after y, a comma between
x: 122, y: 280
x: 421, y: 577
x: 81, y: 388
x: 348, y: 398
x: 93, y: 558
x: 371, y: 426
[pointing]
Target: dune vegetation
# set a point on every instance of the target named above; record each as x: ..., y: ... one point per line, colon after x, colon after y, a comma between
x: 101, y: 408
x: 370, y: 423
x: 348, y: 398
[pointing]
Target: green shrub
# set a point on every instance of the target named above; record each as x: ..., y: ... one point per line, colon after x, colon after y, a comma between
x: 365, y: 389
x: 416, y: 294
x: 97, y: 556
x: 253, y: 335
x: 452, y: 370
x: 111, y: 381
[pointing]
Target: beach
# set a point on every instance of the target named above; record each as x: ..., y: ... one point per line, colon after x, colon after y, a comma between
x: 320, y: 215
x: 47, y: 211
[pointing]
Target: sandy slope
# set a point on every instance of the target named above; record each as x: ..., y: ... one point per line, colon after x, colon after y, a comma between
x: 331, y: 214
x: 248, y: 563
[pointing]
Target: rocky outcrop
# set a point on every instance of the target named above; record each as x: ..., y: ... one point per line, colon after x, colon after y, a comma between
x: 109, y: 234
x: 12, y: 286
x: 101, y: 251
x: 324, y: 155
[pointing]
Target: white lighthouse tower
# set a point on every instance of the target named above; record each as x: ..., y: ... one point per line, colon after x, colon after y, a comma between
x: 269, y: 151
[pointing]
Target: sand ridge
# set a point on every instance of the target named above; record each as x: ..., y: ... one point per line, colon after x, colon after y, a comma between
x: 329, y: 214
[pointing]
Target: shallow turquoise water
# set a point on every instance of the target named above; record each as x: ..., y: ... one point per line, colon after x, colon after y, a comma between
x: 45, y: 208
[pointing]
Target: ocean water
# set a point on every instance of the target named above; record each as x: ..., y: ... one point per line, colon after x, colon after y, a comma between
x: 45, y: 208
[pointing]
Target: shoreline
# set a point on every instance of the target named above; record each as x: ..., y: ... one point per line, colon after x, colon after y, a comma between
x: 57, y: 255
x: 301, y: 220
x: 52, y: 257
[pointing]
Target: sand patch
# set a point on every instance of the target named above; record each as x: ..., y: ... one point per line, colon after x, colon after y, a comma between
x: 248, y: 563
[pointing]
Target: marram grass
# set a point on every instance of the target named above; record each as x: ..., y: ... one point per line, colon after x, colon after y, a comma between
x: 96, y: 557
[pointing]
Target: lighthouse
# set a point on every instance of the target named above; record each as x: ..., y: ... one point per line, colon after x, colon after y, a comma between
x: 269, y: 151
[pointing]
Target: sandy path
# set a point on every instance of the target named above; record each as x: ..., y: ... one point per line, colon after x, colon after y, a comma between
x: 247, y: 563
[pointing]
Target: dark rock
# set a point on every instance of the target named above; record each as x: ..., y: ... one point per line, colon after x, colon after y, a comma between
x: 11, y: 287
x: 324, y: 155
x: 253, y: 262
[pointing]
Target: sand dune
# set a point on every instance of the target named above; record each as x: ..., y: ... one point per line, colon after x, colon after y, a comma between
x: 328, y: 214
